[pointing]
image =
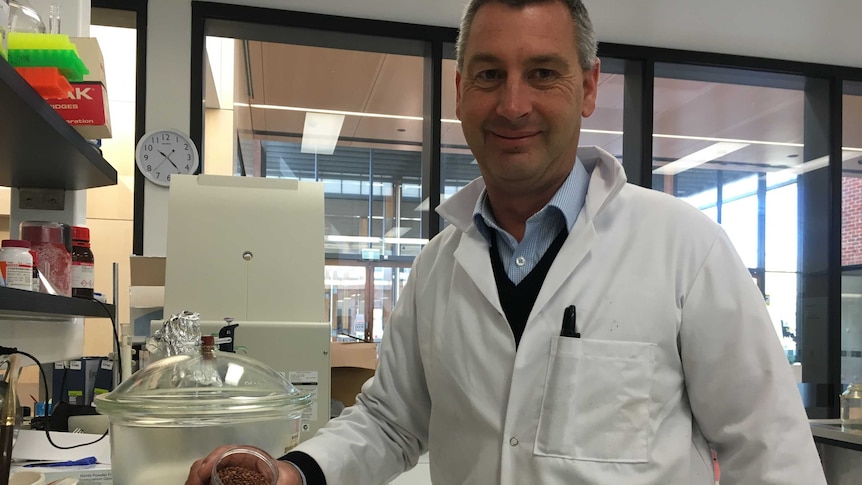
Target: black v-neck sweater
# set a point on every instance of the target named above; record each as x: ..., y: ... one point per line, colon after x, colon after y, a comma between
x: 517, y: 300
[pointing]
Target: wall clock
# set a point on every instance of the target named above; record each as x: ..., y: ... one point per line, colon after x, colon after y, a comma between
x: 160, y: 154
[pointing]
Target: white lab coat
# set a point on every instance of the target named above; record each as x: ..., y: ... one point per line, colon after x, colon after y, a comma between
x: 677, y: 353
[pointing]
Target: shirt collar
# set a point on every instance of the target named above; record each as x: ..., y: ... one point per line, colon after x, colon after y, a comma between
x: 568, y: 200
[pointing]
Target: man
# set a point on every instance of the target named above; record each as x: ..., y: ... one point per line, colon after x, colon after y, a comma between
x: 567, y: 327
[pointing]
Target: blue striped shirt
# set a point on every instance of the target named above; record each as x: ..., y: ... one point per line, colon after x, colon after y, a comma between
x: 542, y: 227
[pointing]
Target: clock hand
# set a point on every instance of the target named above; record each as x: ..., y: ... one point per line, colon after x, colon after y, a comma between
x: 168, y: 157
x: 160, y: 164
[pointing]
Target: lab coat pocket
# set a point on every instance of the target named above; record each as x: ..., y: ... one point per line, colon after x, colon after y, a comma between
x: 596, y: 404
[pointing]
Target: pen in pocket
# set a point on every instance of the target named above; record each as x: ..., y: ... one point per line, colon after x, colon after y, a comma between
x: 570, y: 327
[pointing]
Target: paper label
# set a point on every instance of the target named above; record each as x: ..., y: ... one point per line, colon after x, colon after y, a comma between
x: 83, y: 275
x: 306, y: 381
x: 303, y: 377
x: 17, y: 275
x: 310, y: 413
x: 292, y: 441
x: 107, y: 364
x: 75, y: 365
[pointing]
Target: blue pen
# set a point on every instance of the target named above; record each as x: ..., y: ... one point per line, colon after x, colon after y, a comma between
x: 90, y: 460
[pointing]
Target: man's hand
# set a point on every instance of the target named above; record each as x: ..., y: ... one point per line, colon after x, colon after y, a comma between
x: 201, y: 470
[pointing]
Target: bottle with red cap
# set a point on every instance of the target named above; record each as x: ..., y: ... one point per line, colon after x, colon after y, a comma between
x: 16, y: 264
x: 83, y: 276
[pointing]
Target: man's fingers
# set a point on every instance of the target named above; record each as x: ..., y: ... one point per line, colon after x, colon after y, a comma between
x: 201, y: 470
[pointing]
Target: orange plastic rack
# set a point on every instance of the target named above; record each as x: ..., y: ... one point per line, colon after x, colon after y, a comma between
x: 47, y: 81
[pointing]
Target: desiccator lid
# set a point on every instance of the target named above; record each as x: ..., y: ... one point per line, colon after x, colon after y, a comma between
x: 166, y: 394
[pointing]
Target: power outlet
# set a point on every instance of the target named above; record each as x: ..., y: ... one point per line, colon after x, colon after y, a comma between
x: 42, y: 199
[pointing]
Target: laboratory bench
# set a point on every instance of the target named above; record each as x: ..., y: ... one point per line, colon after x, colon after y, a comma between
x: 840, y: 448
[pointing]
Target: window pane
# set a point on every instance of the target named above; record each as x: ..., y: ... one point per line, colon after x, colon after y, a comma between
x: 730, y: 142
x: 457, y: 165
x: 781, y: 297
x: 350, y: 118
x: 345, y: 295
x: 342, y: 109
x: 851, y: 236
x: 738, y: 218
x: 781, y: 227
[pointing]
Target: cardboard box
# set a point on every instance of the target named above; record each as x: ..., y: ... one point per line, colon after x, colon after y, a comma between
x: 146, y: 292
x: 147, y: 270
x: 86, y: 109
x: 352, y: 364
x: 362, y: 355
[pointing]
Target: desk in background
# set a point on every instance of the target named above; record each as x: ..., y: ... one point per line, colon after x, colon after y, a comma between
x: 840, y: 449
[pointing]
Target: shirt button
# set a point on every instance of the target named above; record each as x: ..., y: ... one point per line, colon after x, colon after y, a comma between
x: 513, y: 441
x: 521, y: 261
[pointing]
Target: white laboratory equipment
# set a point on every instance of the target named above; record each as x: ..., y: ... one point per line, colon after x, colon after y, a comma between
x: 251, y: 250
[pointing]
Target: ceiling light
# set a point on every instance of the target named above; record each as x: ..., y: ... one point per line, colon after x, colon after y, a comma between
x: 396, y: 232
x: 351, y: 239
x: 698, y: 158
x: 373, y: 240
x: 727, y: 140
x: 320, y: 134
x: 407, y: 240
x: 816, y: 163
x: 329, y: 111
x: 601, y: 132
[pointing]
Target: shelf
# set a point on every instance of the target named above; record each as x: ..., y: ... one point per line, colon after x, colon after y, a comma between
x: 30, y: 305
x: 38, y: 149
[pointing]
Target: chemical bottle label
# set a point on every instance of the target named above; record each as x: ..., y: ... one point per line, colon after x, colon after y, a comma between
x: 83, y: 275
x: 17, y: 275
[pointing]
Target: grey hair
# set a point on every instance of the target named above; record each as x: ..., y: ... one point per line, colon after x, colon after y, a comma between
x: 585, y: 36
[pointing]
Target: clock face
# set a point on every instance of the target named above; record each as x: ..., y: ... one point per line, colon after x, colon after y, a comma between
x: 164, y: 153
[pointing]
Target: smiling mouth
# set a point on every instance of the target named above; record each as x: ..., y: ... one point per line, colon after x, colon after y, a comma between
x: 514, y: 136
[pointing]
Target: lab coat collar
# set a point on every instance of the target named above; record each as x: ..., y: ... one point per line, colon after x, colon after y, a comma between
x: 607, y: 178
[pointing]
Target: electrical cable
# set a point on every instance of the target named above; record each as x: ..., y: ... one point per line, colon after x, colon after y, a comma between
x: 13, y: 350
x: 353, y: 337
x: 44, y: 378
x: 116, y: 336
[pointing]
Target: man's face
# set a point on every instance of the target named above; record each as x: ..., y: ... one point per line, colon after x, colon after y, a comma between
x: 521, y: 96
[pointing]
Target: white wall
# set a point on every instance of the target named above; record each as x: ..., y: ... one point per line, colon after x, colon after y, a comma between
x: 819, y: 31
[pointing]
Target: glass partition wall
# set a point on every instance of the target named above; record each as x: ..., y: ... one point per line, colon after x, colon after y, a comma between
x: 342, y: 109
x: 730, y: 142
x: 851, y: 235
x: 748, y: 149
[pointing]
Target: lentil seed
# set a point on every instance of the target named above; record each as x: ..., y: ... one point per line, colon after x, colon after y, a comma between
x: 234, y: 475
